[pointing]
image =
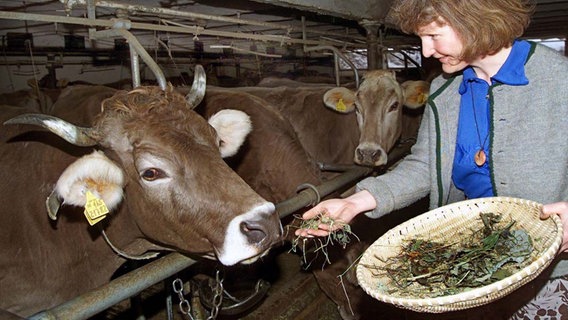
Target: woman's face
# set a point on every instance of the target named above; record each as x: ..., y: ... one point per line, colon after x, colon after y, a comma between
x: 442, y: 42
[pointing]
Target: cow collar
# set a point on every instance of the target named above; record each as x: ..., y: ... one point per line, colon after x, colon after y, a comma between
x: 145, y: 256
x: 53, y: 203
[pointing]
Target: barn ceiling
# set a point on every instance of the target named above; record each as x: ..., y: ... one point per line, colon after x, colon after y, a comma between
x: 259, y: 26
x: 549, y: 21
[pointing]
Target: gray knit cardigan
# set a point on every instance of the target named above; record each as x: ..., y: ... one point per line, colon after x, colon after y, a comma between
x: 528, y: 146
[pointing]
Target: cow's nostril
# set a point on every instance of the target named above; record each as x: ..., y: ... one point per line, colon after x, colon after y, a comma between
x: 253, y: 231
x: 376, y: 155
x: 360, y: 154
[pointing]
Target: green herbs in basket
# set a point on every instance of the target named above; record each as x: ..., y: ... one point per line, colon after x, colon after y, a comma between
x: 430, y: 269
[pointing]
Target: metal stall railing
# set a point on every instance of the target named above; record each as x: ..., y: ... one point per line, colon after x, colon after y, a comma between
x: 132, y: 283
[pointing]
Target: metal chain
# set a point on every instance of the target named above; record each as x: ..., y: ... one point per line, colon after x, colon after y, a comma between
x: 217, y: 296
x: 185, y: 306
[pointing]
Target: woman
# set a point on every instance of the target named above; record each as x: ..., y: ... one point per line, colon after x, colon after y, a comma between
x: 495, y: 124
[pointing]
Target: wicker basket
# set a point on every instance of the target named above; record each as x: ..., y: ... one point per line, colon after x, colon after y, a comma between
x: 451, y: 222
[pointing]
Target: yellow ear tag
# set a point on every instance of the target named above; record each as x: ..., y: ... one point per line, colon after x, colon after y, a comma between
x: 340, y: 106
x: 95, y: 208
x: 422, y: 98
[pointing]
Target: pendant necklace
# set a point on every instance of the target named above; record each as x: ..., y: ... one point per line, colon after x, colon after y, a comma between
x: 480, y: 157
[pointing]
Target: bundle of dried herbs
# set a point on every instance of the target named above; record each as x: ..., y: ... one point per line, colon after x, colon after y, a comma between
x: 341, y: 234
x: 430, y: 269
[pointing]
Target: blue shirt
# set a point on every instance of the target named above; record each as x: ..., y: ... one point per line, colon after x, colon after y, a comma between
x: 474, y: 127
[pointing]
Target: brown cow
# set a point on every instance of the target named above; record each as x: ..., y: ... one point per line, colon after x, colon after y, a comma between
x: 153, y: 151
x: 338, y: 134
x: 272, y: 160
x: 325, y: 134
x: 40, y: 100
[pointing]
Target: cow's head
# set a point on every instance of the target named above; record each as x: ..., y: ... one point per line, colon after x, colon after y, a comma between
x: 378, y: 103
x: 167, y: 160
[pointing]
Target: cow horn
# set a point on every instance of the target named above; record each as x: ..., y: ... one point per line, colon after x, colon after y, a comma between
x: 197, y: 92
x: 78, y: 136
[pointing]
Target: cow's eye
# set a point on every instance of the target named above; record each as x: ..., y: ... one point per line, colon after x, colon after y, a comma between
x: 394, y: 107
x: 152, y: 174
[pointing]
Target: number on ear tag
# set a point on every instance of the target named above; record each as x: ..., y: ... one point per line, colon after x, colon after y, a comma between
x: 95, y: 208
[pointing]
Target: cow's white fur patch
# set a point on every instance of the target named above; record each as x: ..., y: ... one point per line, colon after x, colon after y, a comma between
x: 232, y: 127
x: 96, y: 173
x: 237, y: 247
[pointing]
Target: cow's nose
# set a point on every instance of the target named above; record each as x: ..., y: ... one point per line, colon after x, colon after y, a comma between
x: 369, y: 156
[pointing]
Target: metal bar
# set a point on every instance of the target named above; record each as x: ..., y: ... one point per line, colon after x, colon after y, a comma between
x: 307, y: 197
x: 137, y: 46
x: 186, y: 14
x: 351, y: 175
x: 338, y: 53
x: 136, y: 50
x: 135, y: 67
x: 194, y: 30
x: 192, y: 15
x: 124, y: 287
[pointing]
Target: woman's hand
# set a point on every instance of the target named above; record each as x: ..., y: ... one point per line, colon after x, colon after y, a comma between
x: 341, y: 211
x: 560, y: 208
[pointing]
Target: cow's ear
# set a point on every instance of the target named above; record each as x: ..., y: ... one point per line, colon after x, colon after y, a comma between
x: 92, y: 175
x: 340, y: 99
x: 232, y: 128
x: 415, y: 93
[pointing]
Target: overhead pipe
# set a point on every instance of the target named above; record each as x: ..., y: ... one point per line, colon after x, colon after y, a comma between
x: 140, y: 51
x: 182, y: 14
x: 136, y: 49
x: 119, y: 28
x: 194, y: 30
x: 196, y: 16
x: 135, y: 66
x: 337, y: 53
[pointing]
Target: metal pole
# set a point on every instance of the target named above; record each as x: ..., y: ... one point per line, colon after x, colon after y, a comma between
x: 372, y: 55
x: 351, y: 175
x: 195, y: 30
x: 199, y: 16
x: 124, y: 287
x: 136, y: 50
x: 340, y: 55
